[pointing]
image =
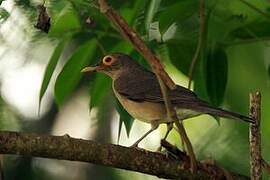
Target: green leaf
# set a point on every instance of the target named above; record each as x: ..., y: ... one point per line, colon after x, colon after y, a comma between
x: 137, y: 9
x: 253, y: 30
x: 50, y: 68
x: 199, y: 77
x: 4, y: 14
x: 124, y: 118
x: 182, y: 59
x: 139, y: 58
x: 123, y: 46
x: 66, y: 21
x: 99, y: 89
x: 70, y: 74
x: 154, y: 33
x: 216, y: 75
x: 176, y: 12
x: 170, y: 32
x: 163, y: 53
x: 152, y: 9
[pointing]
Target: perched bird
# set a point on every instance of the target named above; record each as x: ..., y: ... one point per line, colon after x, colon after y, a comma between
x: 138, y: 91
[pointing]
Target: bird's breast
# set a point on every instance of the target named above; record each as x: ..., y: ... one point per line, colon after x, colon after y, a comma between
x: 144, y: 111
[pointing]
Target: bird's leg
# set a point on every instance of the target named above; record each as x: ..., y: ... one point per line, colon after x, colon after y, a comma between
x: 182, y: 142
x: 154, y: 126
x: 182, y: 132
x: 169, y: 128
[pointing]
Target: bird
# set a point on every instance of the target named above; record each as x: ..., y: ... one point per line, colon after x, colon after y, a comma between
x: 138, y: 91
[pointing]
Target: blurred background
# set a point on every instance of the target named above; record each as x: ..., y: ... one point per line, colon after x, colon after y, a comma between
x: 43, y: 91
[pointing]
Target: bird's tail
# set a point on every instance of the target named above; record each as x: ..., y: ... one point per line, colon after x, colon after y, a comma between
x: 225, y: 113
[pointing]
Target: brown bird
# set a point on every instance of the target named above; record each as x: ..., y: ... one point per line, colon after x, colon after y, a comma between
x: 138, y: 90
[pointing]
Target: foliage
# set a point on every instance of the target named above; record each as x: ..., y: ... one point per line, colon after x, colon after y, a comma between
x: 171, y: 29
x: 3, y: 14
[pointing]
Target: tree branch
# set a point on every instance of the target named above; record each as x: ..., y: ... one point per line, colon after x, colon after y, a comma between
x: 255, y: 137
x: 67, y: 148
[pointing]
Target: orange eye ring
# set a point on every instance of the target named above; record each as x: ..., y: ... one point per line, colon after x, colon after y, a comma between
x: 108, y: 60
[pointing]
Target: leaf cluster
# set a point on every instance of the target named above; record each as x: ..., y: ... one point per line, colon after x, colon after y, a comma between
x: 170, y: 28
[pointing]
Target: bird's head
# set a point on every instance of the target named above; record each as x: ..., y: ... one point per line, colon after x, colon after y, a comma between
x: 113, y: 65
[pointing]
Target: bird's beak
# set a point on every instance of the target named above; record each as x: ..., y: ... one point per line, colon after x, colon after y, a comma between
x: 90, y: 69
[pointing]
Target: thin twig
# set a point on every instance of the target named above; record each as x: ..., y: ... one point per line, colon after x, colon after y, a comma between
x: 200, y: 42
x: 67, y: 148
x: 264, y: 14
x: 102, y: 49
x: 266, y: 166
x: 255, y: 137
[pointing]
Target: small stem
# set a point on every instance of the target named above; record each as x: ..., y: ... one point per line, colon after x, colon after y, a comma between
x: 199, y: 45
x: 100, y: 46
x: 264, y: 14
x: 266, y: 166
x: 255, y: 137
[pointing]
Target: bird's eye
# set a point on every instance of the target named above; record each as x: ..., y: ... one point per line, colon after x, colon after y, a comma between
x: 107, y: 60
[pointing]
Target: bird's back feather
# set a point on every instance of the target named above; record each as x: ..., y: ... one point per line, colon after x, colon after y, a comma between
x: 141, y: 85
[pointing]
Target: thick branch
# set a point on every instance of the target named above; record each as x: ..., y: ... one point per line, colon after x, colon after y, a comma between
x: 255, y: 137
x: 67, y: 148
x: 138, y: 43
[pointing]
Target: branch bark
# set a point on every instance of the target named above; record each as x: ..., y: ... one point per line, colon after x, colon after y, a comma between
x: 67, y: 148
x: 255, y: 137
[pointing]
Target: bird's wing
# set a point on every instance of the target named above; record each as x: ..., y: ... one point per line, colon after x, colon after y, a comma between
x: 147, y: 89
